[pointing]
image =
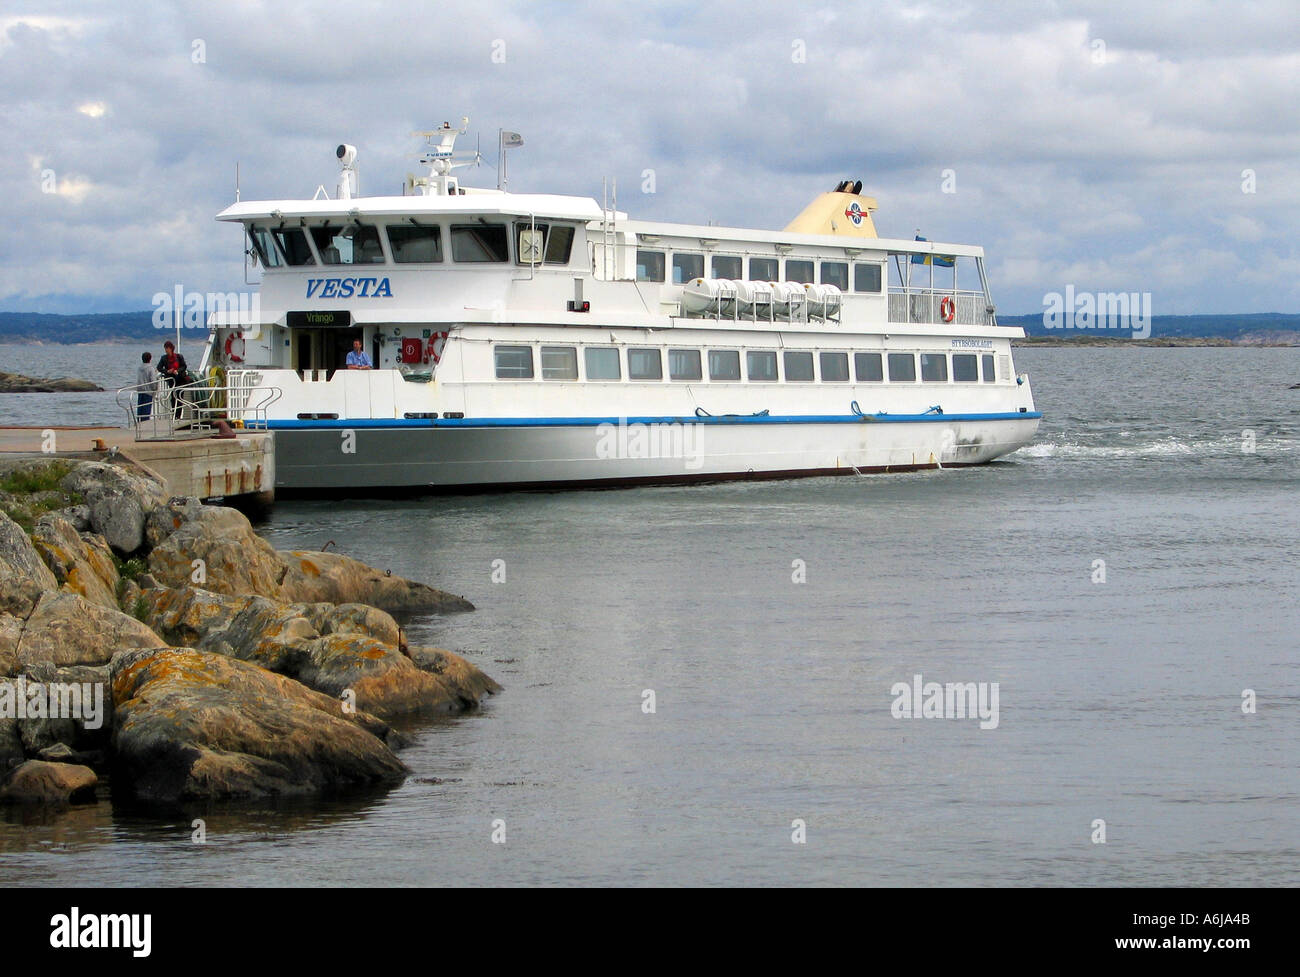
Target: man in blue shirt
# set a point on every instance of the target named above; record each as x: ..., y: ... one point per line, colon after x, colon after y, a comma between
x: 357, y: 359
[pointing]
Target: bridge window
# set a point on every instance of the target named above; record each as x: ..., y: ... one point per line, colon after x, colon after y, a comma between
x: 902, y: 368
x: 836, y: 273
x: 934, y: 367
x: 415, y: 245
x: 867, y: 368
x: 799, y: 271
x: 965, y: 368
x: 514, y: 362
x: 559, y: 244
x: 835, y: 367
x: 535, y: 243
x: 725, y: 266
x: 798, y: 367
x: 355, y: 244
x: 763, y: 269
x: 760, y: 364
x: 559, y: 363
x: 687, y: 267
x: 684, y: 364
x: 644, y: 364
x: 649, y: 266
x: 264, y: 247
x: 602, y: 363
x: 990, y: 375
x: 479, y: 243
x: 724, y: 364
x: 866, y: 278
x: 293, y: 244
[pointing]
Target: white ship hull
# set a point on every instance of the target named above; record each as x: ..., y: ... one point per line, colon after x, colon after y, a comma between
x: 458, y: 456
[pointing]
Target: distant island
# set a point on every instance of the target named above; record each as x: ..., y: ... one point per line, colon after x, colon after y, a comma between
x: 1255, y: 329
x: 16, y: 383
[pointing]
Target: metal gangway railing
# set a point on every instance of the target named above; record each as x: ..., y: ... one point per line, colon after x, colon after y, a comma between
x: 164, y: 411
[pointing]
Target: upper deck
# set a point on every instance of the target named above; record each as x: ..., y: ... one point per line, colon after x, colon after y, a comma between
x: 477, y: 255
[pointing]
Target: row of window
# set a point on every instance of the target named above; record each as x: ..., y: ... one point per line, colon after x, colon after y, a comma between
x: 651, y: 266
x: 795, y: 366
x: 364, y: 244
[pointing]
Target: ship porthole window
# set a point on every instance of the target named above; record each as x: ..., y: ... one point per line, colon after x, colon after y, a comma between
x: 760, y: 365
x: 836, y: 273
x: 514, y: 362
x: 644, y: 364
x: 687, y: 267
x: 965, y: 368
x: 798, y: 367
x: 602, y: 363
x: 725, y: 266
x: 902, y: 368
x: 650, y: 266
x: 724, y: 364
x: 684, y: 364
x: 934, y: 367
x: 835, y: 367
x: 867, y: 368
x: 866, y: 277
x: 559, y: 363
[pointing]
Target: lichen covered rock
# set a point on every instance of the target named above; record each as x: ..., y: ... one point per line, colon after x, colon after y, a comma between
x: 191, y: 725
x: 23, y: 574
x: 81, y: 564
x: 67, y: 629
x: 232, y: 559
x: 346, y: 650
x: 313, y: 577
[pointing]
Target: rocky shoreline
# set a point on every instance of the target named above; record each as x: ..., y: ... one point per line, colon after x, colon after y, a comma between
x: 16, y: 383
x: 160, y: 644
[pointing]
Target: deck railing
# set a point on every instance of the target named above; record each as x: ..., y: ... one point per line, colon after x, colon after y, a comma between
x: 161, y: 411
x: 926, y: 305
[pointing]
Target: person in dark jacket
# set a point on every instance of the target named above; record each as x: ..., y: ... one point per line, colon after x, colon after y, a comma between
x: 174, y: 371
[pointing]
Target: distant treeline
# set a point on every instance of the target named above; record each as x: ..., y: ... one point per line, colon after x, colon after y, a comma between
x: 109, y: 327
x: 29, y: 327
x: 1225, y: 326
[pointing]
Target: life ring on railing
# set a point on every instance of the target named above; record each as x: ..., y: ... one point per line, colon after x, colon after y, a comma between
x: 231, y: 354
x: 437, y: 342
x: 217, y: 387
x: 947, y: 309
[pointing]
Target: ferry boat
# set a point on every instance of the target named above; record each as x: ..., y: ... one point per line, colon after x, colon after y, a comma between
x: 537, y: 340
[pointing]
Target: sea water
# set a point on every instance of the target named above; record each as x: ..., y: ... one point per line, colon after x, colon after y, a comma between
x: 702, y: 685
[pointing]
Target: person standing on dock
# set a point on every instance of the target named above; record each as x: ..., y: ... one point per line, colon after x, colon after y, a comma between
x: 144, y: 380
x: 358, y: 359
x: 173, y: 369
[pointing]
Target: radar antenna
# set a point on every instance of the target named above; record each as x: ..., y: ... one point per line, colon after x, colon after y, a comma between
x: 439, y: 155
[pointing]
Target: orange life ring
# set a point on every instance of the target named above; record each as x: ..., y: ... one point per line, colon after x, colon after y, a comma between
x: 231, y: 355
x: 948, y: 309
x: 433, y: 352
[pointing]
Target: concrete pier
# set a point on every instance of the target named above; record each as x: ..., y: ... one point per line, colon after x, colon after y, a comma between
x: 208, y: 468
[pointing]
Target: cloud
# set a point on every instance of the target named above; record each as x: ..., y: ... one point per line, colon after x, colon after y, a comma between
x: 1121, y: 163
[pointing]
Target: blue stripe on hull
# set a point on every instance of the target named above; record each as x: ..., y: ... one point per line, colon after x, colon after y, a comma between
x: 397, y: 422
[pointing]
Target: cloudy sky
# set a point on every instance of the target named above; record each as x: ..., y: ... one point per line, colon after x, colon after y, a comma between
x: 1111, y: 146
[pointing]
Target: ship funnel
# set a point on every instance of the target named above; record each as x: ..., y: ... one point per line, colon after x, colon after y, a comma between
x: 843, y: 212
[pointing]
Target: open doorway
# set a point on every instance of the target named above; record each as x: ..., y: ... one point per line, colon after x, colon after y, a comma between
x: 323, y: 349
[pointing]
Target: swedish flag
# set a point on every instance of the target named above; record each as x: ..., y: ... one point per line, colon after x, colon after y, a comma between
x: 938, y: 260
